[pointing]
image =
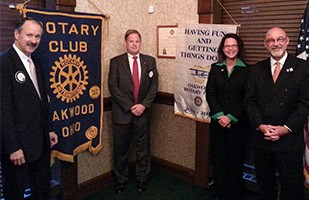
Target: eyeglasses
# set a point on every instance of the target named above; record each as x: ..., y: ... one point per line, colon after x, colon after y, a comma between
x: 234, y: 46
x: 272, y: 40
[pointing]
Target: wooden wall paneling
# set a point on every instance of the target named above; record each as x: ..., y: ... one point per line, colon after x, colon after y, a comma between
x: 69, y: 186
x: 66, y: 5
x: 71, y: 3
x: 257, y: 16
x: 9, y: 17
x: 209, y: 13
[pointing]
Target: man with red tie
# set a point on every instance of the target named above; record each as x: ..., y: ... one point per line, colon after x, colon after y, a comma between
x: 133, y: 84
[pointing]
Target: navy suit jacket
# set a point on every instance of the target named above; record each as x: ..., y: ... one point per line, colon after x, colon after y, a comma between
x: 121, y: 87
x: 284, y: 103
x: 24, y: 116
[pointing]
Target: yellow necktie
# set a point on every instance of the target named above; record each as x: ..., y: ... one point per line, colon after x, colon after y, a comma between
x: 33, y: 76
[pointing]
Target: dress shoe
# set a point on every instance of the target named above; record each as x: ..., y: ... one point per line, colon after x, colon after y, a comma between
x: 120, y: 188
x: 141, y: 187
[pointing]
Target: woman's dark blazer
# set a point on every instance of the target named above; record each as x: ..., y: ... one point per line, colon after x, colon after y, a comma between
x: 226, y: 94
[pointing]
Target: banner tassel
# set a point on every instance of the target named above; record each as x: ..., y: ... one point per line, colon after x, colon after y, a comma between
x: 20, y: 7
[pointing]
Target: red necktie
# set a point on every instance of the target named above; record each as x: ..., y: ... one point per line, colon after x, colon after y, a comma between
x: 276, y: 71
x: 135, y: 79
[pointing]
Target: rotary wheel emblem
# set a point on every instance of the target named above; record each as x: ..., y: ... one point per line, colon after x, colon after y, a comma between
x: 69, y: 78
x: 91, y: 132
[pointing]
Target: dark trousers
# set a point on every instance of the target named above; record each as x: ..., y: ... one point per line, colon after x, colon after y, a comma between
x: 123, y: 134
x: 228, y: 149
x: 36, y: 173
x: 290, y: 168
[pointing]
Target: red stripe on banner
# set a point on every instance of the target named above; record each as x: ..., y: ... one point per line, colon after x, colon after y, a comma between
x: 306, y: 166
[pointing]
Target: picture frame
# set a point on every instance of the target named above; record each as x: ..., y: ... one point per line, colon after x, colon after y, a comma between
x: 166, y: 37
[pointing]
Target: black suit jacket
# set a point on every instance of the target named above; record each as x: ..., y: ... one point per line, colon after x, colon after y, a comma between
x: 284, y: 103
x: 226, y: 94
x: 24, y: 116
x: 121, y: 87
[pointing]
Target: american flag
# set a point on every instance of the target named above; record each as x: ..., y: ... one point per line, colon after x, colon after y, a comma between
x: 302, y: 51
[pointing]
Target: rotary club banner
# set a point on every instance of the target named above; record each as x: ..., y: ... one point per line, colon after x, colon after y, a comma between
x: 196, y: 49
x: 70, y: 54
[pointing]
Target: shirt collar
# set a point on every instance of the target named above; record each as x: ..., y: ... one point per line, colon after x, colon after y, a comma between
x: 239, y: 63
x: 20, y: 53
x: 281, y: 61
x: 131, y: 56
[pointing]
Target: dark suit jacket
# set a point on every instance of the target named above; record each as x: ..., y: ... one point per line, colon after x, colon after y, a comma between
x: 226, y: 94
x: 24, y: 116
x: 121, y: 87
x: 284, y: 103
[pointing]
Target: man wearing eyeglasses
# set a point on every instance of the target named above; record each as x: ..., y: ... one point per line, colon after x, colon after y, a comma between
x: 277, y: 103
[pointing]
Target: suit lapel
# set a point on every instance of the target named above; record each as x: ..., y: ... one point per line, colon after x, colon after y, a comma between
x: 222, y: 72
x: 267, y: 81
x: 235, y: 73
x: 20, y: 67
x: 285, y: 73
x: 126, y: 66
x: 287, y: 70
x: 40, y: 77
x: 143, y: 69
x: 267, y: 76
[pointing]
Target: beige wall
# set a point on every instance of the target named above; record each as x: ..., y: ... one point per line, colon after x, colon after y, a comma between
x: 173, y: 137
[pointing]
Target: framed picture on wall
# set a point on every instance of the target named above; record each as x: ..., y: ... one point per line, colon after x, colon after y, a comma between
x: 166, y: 37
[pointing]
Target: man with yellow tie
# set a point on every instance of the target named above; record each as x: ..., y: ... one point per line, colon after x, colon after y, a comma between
x: 277, y: 103
x: 26, y: 132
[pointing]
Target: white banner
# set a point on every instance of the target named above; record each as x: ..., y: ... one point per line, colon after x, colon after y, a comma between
x: 196, y: 49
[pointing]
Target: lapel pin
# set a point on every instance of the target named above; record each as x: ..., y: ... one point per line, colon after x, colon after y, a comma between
x: 20, y: 77
x: 290, y: 69
x: 150, y: 74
